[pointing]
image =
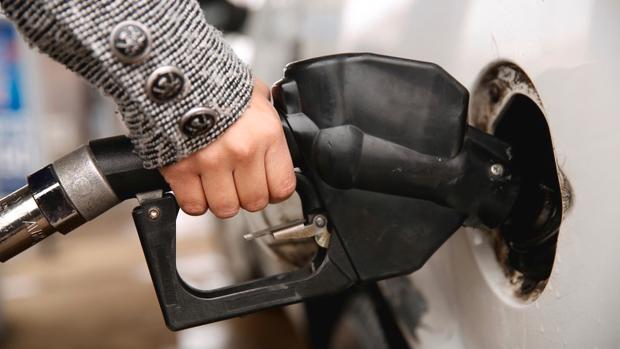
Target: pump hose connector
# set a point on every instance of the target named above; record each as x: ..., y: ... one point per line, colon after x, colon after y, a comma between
x: 72, y: 191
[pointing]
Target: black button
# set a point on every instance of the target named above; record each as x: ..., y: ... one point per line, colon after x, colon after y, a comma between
x: 166, y: 84
x: 198, y: 121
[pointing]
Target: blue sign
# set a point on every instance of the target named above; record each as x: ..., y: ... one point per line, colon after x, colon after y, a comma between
x: 10, y: 82
x: 16, y: 151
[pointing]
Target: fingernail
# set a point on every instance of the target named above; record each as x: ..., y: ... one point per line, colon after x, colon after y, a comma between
x: 194, y: 209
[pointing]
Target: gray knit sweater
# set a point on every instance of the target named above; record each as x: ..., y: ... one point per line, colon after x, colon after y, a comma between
x: 177, y: 84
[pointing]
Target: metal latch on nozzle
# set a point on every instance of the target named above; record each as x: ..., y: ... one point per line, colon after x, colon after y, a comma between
x: 317, y: 229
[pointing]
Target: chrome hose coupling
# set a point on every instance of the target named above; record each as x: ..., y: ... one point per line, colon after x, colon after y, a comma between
x: 58, y: 198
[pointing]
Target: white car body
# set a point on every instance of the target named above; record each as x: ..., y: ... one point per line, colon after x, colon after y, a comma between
x: 571, y: 51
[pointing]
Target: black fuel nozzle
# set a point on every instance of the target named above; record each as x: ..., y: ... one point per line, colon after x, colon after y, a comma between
x: 386, y: 162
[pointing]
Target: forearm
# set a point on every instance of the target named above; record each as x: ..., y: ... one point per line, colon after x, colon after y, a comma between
x: 128, y: 62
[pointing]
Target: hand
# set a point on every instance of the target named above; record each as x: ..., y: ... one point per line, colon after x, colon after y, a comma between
x: 248, y: 166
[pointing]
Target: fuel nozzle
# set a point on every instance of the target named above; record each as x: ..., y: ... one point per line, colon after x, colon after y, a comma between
x: 72, y: 191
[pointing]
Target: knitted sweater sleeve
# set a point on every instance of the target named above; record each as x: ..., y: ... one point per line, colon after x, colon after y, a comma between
x: 176, y: 82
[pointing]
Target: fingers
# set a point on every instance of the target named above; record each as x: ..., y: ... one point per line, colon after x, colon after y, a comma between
x: 251, y: 184
x: 279, y: 169
x: 187, y: 188
x: 219, y: 188
x: 255, y: 181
